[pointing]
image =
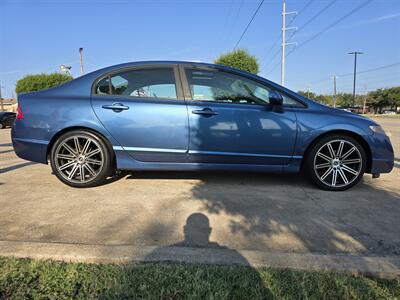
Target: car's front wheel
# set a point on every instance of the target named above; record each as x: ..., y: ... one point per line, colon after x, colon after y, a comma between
x: 81, y: 159
x: 336, y: 162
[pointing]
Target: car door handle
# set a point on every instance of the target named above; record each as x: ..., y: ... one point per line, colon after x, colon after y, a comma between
x: 205, y: 112
x: 116, y: 107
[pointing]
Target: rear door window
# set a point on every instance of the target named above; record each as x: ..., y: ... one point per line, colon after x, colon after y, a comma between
x: 140, y: 83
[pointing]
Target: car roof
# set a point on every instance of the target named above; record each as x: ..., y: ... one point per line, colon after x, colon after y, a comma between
x: 167, y: 62
x: 83, y: 84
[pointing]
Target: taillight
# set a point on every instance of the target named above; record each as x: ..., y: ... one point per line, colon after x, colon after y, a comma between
x: 20, y: 114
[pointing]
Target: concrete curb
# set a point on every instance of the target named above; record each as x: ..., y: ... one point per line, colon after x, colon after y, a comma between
x: 387, y: 266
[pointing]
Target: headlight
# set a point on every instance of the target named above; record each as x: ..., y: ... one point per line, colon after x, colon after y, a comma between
x: 377, y: 129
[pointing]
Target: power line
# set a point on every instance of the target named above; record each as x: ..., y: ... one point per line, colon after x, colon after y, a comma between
x: 317, y: 14
x: 284, y: 41
x: 277, y: 64
x: 373, y: 69
x: 233, y: 24
x: 334, y: 23
x: 305, y: 6
x: 360, y: 72
x: 301, y: 10
x: 248, y: 25
x: 274, y: 67
x: 223, y: 35
x: 276, y: 53
x: 272, y: 47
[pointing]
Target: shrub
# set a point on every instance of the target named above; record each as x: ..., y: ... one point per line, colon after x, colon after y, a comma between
x: 239, y: 59
x: 31, y: 83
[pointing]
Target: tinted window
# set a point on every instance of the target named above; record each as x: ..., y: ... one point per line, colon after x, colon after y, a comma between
x: 144, y: 83
x: 225, y: 87
x: 291, y: 102
x: 229, y: 88
x: 103, y: 87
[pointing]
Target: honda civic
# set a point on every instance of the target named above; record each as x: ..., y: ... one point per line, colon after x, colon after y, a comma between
x: 170, y: 115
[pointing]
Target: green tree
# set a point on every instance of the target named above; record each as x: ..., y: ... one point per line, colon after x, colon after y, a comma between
x: 309, y: 95
x: 344, y: 99
x: 239, y: 59
x: 31, y: 83
x: 324, y: 99
x: 384, y: 98
x: 378, y: 99
x: 394, y: 97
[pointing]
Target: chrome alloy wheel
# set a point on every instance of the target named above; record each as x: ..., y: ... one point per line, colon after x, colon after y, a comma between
x: 79, y: 159
x: 338, y: 163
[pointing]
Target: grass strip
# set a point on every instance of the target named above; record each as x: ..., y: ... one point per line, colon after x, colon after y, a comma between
x: 37, y: 279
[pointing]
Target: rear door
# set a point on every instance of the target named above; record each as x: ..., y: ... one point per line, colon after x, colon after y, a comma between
x: 231, y: 121
x: 144, y: 110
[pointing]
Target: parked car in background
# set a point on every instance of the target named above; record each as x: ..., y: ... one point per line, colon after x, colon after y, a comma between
x: 389, y: 112
x: 193, y: 116
x: 6, y: 119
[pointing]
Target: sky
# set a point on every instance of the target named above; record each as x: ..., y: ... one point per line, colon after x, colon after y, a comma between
x: 38, y: 36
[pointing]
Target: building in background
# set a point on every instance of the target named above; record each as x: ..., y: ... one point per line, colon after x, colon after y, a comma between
x: 9, y: 104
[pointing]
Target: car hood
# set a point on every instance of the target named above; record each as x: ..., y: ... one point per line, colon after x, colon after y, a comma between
x: 351, y: 115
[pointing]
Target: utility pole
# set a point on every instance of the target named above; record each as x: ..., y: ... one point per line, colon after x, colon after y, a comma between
x: 80, y: 59
x: 355, y: 74
x: 1, y: 100
x: 334, y: 90
x: 365, y: 100
x: 284, y: 44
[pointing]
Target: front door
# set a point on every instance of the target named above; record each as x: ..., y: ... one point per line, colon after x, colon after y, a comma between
x: 144, y: 110
x: 231, y: 121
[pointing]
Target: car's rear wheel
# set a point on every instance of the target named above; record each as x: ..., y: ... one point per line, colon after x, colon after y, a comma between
x: 336, y: 162
x: 81, y: 159
x: 2, y: 126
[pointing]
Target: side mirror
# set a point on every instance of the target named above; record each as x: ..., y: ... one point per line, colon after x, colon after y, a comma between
x: 275, y: 99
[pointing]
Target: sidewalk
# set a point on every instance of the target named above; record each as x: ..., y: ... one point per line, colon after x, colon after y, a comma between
x: 386, y: 266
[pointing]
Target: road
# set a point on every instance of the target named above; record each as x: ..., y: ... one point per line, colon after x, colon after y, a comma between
x: 245, y: 211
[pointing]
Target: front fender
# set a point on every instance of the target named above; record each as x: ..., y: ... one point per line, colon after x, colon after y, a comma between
x: 313, y: 124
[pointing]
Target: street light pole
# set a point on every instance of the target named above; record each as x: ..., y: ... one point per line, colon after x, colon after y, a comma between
x: 80, y: 59
x: 355, y: 74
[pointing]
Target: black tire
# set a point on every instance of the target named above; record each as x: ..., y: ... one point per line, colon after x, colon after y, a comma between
x: 315, y: 162
x: 86, y: 178
x: 2, y: 126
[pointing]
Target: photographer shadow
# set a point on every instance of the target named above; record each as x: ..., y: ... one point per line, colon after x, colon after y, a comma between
x: 198, y: 249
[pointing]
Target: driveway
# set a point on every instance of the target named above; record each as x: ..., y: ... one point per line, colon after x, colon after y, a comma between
x: 241, y: 211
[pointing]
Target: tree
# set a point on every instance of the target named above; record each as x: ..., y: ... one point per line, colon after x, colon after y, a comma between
x: 344, y: 99
x: 378, y: 99
x: 324, y: 99
x: 31, y: 83
x: 384, y: 98
x: 239, y: 59
x: 394, y: 97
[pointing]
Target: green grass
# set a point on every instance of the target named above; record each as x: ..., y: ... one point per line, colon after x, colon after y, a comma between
x: 32, y: 279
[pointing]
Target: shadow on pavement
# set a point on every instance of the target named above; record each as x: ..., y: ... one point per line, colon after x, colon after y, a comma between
x: 15, y: 167
x: 284, y: 212
x: 6, y: 151
x: 397, y: 162
x: 286, y: 207
x: 6, y: 145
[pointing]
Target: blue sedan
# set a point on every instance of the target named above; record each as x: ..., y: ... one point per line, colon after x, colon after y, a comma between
x: 176, y: 116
